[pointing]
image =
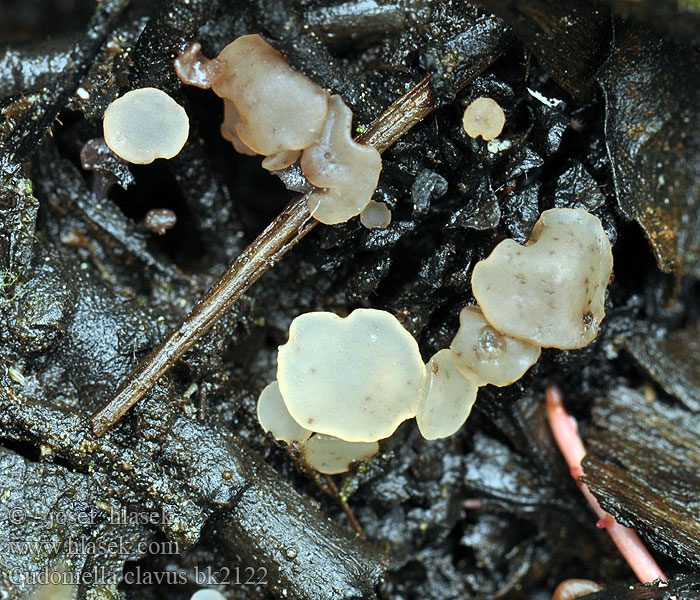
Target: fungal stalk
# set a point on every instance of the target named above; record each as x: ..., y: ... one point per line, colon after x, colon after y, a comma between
x: 629, y: 544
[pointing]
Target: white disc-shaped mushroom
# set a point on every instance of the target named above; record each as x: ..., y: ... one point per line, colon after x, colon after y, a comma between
x: 355, y: 378
x: 330, y: 455
x: 447, y: 400
x: 275, y: 418
x: 484, y: 117
x: 485, y: 355
x: 145, y: 124
x: 550, y: 292
x: 207, y: 594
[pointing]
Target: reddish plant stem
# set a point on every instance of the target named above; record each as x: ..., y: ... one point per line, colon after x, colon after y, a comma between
x: 354, y: 523
x: 627, y: 541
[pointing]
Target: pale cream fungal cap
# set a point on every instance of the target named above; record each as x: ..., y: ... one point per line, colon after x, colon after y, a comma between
x: 355, y: 378
x: 228, y: 129
x: 485, y: 355
x: 275, y: 418
x: 145, y: 124
x: 550, y: 292
x: 331, y: 455
x: 448, y: 398
x: 279, y: 108
x: 208, y: 594
x: 348, y: 171
x: 484, y: 117
x: 376, y: 215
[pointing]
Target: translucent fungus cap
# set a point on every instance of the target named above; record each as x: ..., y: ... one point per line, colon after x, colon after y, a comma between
x: 484, y: 117
x: 349, y: 171
x: 145, y: 124
x: 550, y: 292
x: 448, y: 398
x: 275, y: 418
x: 355, y: 378
x: 279, y: 108
x: 485, y: 355
x: 376, y: 215
x: 330, y: 455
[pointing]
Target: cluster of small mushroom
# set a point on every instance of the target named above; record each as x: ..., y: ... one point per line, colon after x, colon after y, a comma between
x: 353, y: 380
x: 272, y: 110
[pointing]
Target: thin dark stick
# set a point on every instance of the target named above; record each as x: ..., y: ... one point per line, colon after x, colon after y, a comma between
x: 345, y: 506
x: 285, y: 231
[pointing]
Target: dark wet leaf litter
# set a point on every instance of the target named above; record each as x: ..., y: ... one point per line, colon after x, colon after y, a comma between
x: 87, y: 291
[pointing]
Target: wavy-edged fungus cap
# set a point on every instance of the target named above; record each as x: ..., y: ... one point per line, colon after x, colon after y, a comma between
x: 550, y: 292
x: 349, y: 171
x: 279, y: 108
x: 484, y: 117
x: 330, y: 455
x: 275, y: 418
x: 447, y: 400
x: 145, y: 124
x: 355, y: 378
x: 485, y: 355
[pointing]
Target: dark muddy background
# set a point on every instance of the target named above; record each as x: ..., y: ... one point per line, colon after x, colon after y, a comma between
x: 87, y: 291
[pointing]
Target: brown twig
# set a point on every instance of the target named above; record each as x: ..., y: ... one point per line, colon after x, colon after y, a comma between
x: 354, y: 523
x: 285, y: 231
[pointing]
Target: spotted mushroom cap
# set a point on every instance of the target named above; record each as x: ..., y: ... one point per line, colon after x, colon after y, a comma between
x: 145, y: 124
x: 355, y: 378
x: 348, y: 171
x: 447, y: 400
x: 485, y: 355
x: 330, y: 455
x: 551, y: 291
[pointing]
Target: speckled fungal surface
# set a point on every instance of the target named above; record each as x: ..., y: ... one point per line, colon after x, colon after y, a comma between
x: 551, y: 291
x: 447, y: 400
x: 348, y: 171
x: 275, y: 418
x: 355, y: 378
x: 145, y: 124
x: 487, y: 356
x: 484, y: 117
x: 279, y: 109
x: 331, y: 455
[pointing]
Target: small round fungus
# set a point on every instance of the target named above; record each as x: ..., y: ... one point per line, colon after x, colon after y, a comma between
x: 145, y: 124
x: 376, y: 215
x: 207, y: 594
x: 275, y: 418
x: 349, y: 171
x: 485, y: 355
x: 355, y: 378
x: 448, y: 398
x: 484, y: 117
x: 550, y: 292
x: 330, y: 455
x: 279, y: 108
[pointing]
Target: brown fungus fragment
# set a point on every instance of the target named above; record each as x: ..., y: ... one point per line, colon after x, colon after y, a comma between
x: 159, y: 220
x: 193, y: 68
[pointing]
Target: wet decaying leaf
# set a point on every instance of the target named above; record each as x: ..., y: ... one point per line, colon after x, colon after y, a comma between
x: 87, y: 291
x: 643, y: 464
x: 673, y: 362
x: 651, y: 100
